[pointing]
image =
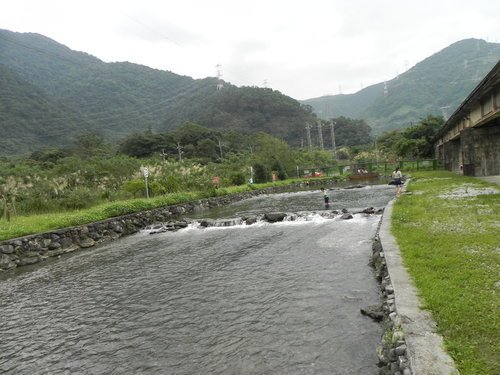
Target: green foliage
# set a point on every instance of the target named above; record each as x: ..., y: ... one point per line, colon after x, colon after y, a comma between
x: 79, y: 198
x: 238, y: 179
x: 413, y: 142
x: 350, y: 132
x: 261, y: 173
x: 170, y: 184
x: 135, y: 186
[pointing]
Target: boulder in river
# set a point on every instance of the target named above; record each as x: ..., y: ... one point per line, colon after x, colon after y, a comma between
x: 273, y: 217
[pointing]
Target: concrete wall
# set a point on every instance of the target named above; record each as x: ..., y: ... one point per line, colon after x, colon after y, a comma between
x: 481, y: 151
x: 452, y: 158
x: 476, y: 149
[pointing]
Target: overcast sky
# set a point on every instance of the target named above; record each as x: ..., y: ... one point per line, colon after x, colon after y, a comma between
x: 304, y: 49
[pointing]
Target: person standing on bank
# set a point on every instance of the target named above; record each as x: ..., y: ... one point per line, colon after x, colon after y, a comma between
x: 397, y: 176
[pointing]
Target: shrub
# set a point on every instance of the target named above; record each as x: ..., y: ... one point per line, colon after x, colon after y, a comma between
x: 134, y: 186
x: 261, y: 173
x: 238, y: 179
x: 79, y: 198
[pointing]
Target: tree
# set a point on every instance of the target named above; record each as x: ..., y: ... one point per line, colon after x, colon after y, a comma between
x: 412, y: 142
x: 140, y: 144
x: 89, y: 144
x: 348, y: 131
x: 261, y: 173
x: 270, y: 150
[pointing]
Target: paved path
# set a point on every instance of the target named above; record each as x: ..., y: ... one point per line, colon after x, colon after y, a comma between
x: 425, y: 347
x: 492, y: 179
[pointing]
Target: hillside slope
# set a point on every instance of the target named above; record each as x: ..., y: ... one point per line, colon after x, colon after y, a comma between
x: 435, y: 86
x: 116, y: 99
x: 29, y: 118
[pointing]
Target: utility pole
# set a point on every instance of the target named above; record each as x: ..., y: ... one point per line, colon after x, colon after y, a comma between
x: 334, y: 146
x: 308, y: 133
x: 320, y: 135
x: 179, y: 149
x: 145, y: 172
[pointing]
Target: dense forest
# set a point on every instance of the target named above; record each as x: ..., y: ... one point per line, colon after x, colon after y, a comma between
x: 50, y: 94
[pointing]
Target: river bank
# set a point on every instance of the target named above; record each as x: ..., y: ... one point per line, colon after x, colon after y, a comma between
x: 277, y: 298
x: 446, y: 227
x: 32, y: 249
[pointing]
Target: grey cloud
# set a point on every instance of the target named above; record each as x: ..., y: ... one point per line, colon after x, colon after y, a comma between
x: 151, y: 28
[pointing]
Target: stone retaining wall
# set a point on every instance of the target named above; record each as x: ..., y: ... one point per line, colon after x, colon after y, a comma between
x: 392, y: 350
x: 35, y: 248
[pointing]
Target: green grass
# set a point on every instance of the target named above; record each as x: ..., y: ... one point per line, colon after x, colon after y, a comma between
x: 451, y: 246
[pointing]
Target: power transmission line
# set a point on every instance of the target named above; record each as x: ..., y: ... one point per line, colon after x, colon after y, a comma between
x: 220, y: 82
x: 320, y: 135
x: 332, y: 132
x: 308, y: 133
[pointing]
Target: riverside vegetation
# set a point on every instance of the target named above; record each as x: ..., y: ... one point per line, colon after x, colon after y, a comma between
x: 60, y: 187
x: 447, y: 227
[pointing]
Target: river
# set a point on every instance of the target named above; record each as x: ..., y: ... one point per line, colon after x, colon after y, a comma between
x: 280, y: 298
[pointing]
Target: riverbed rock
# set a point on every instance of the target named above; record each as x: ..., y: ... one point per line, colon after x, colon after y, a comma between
x: 180, y: 224
x: 400, y: 350
x: 66, y: 242
x: 375, y: 312
x: 347, y: 216
x: 250, y: 220
x: 273, y: 217
x: 6, y: 262
x: 29, y: 258
x: 87, y: 242
x: 207, y: 223
x: 54, y: 246
x: 7, y: 249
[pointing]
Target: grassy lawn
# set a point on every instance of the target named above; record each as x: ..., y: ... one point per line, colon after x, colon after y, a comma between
x: 450, y: 240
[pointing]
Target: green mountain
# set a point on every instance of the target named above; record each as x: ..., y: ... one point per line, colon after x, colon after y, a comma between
x: 436, y: 86
x: 78, y: 93
x: 49, y: 94
x: 29, y: 118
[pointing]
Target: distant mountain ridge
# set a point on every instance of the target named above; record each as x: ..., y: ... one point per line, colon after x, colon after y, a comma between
x: 436, y: 85
x: 50, y: 93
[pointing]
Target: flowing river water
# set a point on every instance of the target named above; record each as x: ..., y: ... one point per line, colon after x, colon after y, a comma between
x: 281, y: 298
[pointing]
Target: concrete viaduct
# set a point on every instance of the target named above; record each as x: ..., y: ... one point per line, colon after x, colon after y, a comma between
x: 469, y: 141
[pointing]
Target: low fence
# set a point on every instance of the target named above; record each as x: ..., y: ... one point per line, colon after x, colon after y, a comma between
x: 382, y: 168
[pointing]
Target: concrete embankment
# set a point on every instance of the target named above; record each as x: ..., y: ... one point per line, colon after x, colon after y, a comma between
x: 410, y: 326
